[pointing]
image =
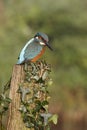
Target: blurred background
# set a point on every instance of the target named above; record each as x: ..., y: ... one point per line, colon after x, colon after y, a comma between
x: 65, y: 22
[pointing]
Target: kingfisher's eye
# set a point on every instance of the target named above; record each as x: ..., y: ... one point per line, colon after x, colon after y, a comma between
x: 40, y: 37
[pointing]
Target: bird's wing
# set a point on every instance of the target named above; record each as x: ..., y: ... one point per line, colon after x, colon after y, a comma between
x: 30, y: 50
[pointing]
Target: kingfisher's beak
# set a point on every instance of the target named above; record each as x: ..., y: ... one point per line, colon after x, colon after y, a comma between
x: 47, y: 44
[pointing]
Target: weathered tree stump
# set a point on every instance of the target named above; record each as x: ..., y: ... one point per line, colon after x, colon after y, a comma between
x: 14, y: 119
x: 28, y: 109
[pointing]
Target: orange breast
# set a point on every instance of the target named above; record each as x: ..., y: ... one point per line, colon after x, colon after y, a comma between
x: 39, y: 55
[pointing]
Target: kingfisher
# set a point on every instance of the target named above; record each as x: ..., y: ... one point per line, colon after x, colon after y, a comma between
x: 34, y: 48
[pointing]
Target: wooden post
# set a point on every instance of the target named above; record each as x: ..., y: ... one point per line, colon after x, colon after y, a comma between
x: 15, y: 121
x: 29, y: 94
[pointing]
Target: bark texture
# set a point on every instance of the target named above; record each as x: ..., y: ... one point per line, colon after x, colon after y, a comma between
x: 15, y: 121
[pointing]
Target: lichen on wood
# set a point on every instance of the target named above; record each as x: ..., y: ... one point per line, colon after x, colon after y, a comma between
x: 35, y: 95
x: 28, y: 98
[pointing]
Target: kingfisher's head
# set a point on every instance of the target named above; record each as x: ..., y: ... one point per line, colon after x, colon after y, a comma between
x: 43, y: 39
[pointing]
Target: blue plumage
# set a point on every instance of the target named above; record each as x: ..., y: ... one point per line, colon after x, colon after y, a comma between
x: 33, y: 48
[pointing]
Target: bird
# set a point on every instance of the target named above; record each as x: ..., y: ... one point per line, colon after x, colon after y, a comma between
x: 34, y: 48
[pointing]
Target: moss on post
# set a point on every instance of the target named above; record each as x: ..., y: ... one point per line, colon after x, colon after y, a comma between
x: 28, y: 109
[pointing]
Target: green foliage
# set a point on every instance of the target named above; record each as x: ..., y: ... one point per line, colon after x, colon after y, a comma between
x: 4, y: 99
x: 35, y: 96
x: 4, y: 103
x: 54, y: 118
